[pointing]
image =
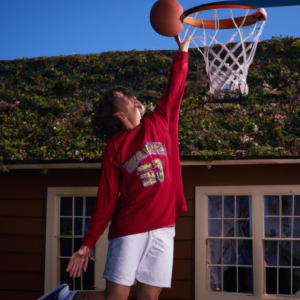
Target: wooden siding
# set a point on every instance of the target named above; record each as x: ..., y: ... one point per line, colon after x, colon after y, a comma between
x: 23, y: 196
x: 238, y: 175
x: 232, y: 175
x: 23, y: 219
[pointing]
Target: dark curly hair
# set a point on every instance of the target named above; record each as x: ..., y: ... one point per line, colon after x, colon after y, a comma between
x: 105, y: 125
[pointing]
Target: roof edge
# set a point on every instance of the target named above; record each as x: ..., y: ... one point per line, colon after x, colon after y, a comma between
x: 182, y: 163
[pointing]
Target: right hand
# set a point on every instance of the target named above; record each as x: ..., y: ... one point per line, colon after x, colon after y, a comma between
x: 77, y: 260
x: 184, y: 46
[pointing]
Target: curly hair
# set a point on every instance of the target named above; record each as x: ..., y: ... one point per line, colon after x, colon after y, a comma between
x: 105, y: 125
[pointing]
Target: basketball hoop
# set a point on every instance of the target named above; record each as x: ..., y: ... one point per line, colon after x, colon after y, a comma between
x: 232, y: 69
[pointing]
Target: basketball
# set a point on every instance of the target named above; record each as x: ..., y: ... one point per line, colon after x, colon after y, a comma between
x: 165, y: 17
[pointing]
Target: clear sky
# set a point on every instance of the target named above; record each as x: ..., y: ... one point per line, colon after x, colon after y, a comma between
x: 32, y: 28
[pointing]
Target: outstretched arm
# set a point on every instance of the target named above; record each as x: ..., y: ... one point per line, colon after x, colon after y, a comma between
x: 168, y: 105
x: 106, y: 200
x: 103, y: 211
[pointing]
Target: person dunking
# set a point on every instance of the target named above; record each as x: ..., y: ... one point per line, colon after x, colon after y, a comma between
x: 140, y: 189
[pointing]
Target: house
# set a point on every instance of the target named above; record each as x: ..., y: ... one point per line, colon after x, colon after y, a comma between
x: 240, y: 168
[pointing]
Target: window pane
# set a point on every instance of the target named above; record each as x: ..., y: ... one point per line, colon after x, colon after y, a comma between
x: 64, y: 275
x: 243, y: 228
x: 228, y: 206
x: 296, y: 253
x: 242, y: 206
x: 215, y: 279
x: 77, y: 244
x: 86, y: 224
x: 271, y: 205
x: 228, y: 228
x: 245, y: 280
x: 90, y: 204
x: 66, y: 206
x: 215, y: 252
x: 78, y: 206
x: 272, y: 227
x: 78, y: 226
x: 66, y: 247
x: 229, y: 252
x: 78, y: 282
x: 215, y: 206
x: 230, y: 279
x: 286, y: 227
x: 271, y: 281
x: 214, y: 228
x: 271, y: 248
x: 245, y: 252
x: 88, y: 276
x: 285, y: 281
x: 284, y: 253
x: 296, y: 231
x: 65, y: 226
x: 296, y: 280
x: 287, y: 203
x: 297, y: 206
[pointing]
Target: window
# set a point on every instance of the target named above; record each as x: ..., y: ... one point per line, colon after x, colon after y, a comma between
x: 247, y: 242
x: 73, y: 220
x: 229, y: 243
x: 68, y: 214
x: 282, y: 244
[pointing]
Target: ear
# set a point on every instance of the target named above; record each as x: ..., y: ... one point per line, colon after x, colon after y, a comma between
x: 120, y: 115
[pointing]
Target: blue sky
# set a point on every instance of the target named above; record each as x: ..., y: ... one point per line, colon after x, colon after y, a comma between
x: 32, y: 28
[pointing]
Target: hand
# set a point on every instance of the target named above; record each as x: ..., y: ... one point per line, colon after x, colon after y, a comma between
x: 77, y: 260
x: 184, y: 46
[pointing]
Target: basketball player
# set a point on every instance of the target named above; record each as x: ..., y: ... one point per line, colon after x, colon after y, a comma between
x: 140, y: 189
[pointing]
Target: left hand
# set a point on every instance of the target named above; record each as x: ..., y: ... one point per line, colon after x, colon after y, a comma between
x: 77, y: 260
x: 184, y: 46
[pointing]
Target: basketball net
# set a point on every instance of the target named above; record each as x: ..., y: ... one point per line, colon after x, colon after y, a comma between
x: 233, y: 69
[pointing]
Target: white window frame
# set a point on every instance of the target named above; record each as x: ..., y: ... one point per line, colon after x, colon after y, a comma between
x: 52, y: 230
x: 201, y: 234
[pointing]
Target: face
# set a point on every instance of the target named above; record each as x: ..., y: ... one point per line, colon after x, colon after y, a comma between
x: 130, y: 112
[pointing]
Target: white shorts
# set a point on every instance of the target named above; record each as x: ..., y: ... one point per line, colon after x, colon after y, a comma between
x: 147, y: 257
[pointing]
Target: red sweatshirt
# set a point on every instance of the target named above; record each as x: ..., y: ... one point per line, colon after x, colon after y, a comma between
x: 144, y: 164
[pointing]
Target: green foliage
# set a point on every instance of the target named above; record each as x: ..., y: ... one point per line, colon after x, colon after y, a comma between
x: 46, y: 104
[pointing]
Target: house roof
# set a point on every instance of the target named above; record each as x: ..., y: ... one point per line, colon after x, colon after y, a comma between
x: 46, y: 105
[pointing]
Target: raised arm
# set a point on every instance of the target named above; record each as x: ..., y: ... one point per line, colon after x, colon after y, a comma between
x: 168, y: 106
x: 173, y: 93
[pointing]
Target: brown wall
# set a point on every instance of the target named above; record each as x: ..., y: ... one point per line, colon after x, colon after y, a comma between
x: 23, y: 220
x: 239, y: 175
x: 23, y: 195
x: 285, y: 174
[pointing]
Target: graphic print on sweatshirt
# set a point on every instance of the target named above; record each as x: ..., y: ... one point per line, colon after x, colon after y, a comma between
x: 148, y: 162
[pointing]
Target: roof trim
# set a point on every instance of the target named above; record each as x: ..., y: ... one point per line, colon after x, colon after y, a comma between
x: 183, y: 163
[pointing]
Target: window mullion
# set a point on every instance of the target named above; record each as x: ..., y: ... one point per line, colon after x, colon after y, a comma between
x: 258, y: 235
x: 236, y: 231
x: 237, y: 268
x: 277, y: 267
x: 292, y: 242
x: 222, y: 271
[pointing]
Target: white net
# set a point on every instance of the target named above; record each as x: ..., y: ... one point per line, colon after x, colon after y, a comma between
x: 229, y: 66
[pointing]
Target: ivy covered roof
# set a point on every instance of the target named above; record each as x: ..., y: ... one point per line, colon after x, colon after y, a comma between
x: 46, y: 104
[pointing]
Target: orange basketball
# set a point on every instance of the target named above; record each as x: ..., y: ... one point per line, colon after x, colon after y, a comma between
x: 165, y: 17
